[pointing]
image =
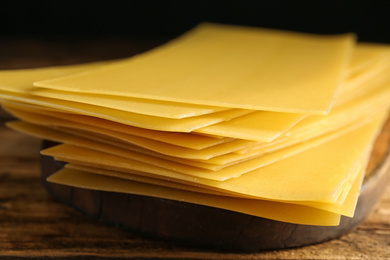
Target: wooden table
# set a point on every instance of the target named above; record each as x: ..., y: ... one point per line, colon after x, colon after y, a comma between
x: 34, y: 225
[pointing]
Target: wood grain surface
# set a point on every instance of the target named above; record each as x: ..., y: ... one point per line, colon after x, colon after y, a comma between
x: 35, y: 225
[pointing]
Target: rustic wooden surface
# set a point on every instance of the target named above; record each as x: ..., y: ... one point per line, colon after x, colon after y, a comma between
x: 34, y: 225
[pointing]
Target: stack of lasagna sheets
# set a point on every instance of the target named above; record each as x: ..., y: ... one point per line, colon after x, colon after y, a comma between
x: 269, y: 123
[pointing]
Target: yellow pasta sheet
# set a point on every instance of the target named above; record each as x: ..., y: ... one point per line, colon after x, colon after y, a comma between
x: 228, y: 66
x: 89, y: 141
x: 362, y: 83
x: 129, y: 104
x: 345, y: 204
x: 260, y: 126
x: 357, y: 110
x: 365, y: 55
x: 347, y: 201
x: 92, y: 124
x: 123, y: 117
x: 243, y: 129
x: 278, y: 181
x: 364, y: 107
x: 22, y: 80
x: 223, y: 173
x: 273, y: 210
x: 153, y: 145
x: 316, y: 125
x: 264, y: 126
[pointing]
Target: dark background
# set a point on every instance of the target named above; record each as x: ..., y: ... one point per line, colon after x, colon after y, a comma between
x: 370, y: 20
